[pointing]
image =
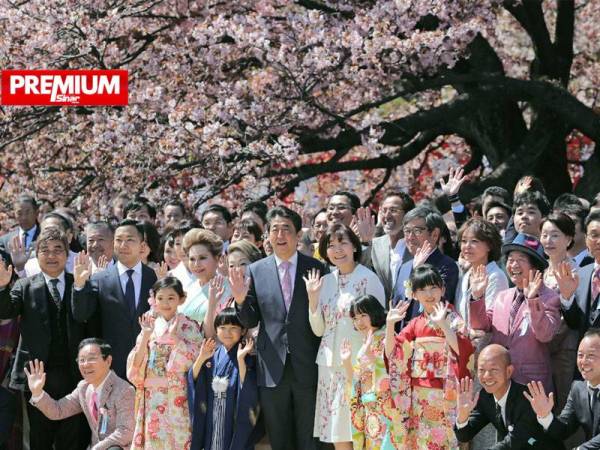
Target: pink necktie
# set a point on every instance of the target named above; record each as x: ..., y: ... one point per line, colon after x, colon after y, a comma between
x: 94, y: 406
x: 286, y: 284
x: 596, y: 284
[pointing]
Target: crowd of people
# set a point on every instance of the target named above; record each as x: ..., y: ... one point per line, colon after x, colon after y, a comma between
x: 401, y: 328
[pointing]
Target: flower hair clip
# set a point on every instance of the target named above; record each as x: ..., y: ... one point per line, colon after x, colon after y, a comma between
x: 408, y: 289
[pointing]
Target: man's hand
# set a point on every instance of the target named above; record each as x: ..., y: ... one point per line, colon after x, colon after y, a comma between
x: 82, y: 269
x: 36, y: 377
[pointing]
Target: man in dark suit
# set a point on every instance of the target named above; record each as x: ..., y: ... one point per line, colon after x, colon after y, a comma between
x: 286, y: 346
x: 8, y: 411
x: 118, y: 294
x: 26, y: 214
x: 583, y: 405
x: 500, y: 403
x: 48, y: 333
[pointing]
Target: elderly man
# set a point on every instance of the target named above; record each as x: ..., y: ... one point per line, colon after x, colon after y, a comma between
x: 106, y: 400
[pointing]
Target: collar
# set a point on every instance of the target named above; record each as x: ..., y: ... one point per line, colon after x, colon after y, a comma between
x: 61, y: 277
x: 98, y: 390
x: 504, y: 398
x: 293, y: 260
x: 399, y: 248
x: 590, y: 386
x: 121, y: 268
x: 29, y: 232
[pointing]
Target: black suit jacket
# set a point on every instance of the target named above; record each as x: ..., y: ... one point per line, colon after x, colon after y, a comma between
x: 264, y: 305
x: 29, y: 299
x: 575, y: 414
x: 5, y: 239
x: 578, y: 315
x: 102, y: 298
x: 8, y: 412
x: 521, y: 431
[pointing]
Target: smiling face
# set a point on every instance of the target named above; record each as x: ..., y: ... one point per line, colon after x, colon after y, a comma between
x: 170, y: 256
x: 392, y: 214
x: 128, y: 245
x: 215, y: 222
x: 283, y: 237
x: 473, y: 250
x: 93, y: 367
x: 554, y: 241
x: 52, y: 257
x: 26, y: 215
x: 518, y: 266
x: 416, y: 233
x: 528, y: 219
x: 202, y: 263
x: 428, y: 297
x: 592, y: 239
x: 494, y: 372
x: 339, y: 210
x: 237, y: 259
x: 319, y: 226
x: 229, y: 335
x: 588, y: 359
x: 498, y: 216
x: 340, y: 252
x: 99, y: 241
x: 362, y: 322
x: 172, y: 215
x: 167, y: 300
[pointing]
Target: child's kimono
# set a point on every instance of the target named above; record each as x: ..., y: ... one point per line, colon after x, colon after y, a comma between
x: 374, y: 415
x: 162, y: 418
x: 223, y: 410
x: 423, y: 372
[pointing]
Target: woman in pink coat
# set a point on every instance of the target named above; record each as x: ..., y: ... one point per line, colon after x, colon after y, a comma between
x: 524, y: 319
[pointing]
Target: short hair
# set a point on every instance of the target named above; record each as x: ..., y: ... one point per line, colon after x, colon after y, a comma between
x: 137, y: 204
x: 67, y: 225
x: 257, y: 207
x: 339, y: 230
x: 168, y: 282
x: 135, y: 224
x: 576, y: 212
x: 592, y: 332
x: 247, y: 248
x: 594, y: 216
x: 99, y: 224
x: 597, y: 199
x: 497, y: 191
x: 251, y: 226
x: 105, y: 348
x: 227, y: 316
x: 407, y: 202
x: 25, y: 198
x: 219, y: 209
x: 486, y: 232
x: 178, y: 203
x: 321, y: 211
x: 354, y: 200
x: 532, y: 198
x: 566, y: 199
x: 564, y: 223
x: 368, y: 304
x: 200, y: 236
x: 52, y: 234
x: 152, y: 240
x: 285, y: 213
x: 425, y: 275
x: 433, y: 219
x: 497, y: 204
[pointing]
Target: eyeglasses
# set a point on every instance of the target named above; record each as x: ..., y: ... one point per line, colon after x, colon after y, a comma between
x: 90, y: 360
x: 416, y: 231
x: 48, y: 252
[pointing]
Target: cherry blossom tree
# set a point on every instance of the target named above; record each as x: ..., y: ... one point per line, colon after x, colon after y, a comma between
x: 252, y: 99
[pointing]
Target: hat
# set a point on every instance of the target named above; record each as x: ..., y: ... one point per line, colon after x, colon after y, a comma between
x: 529, y: 245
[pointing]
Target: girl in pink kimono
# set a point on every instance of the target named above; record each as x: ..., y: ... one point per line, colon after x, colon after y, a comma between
x: 424, y: 361
x: 158, y: 365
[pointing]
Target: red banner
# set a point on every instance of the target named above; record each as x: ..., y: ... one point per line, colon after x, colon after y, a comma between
x: 64, y: 88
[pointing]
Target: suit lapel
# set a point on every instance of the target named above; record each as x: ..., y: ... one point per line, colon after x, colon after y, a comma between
x: 106, y: 389
x: 385, y: 258
x: 40, y: 294
x: 145, y: 287
x: 115, y: 284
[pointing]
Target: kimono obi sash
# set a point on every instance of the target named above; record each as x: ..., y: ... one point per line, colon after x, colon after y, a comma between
x: 429, y: 358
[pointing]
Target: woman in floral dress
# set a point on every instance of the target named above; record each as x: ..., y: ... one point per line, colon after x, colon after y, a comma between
x: 158, y: 365
x: 330, y: 298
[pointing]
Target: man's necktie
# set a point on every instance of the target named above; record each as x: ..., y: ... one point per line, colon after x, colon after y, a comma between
x: 516, y: 305
x: 593, y: 398
x: 130, y: 293
x: 54, y: 292
x: 286, y: 284
x: 94, y: 406
x: 500, y: 420
x: 595, y: 285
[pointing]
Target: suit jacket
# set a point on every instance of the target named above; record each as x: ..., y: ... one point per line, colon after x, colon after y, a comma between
x: 280, y: 331
x: 29, y: 299
x: 575, y: 414
x: 448, y: 270
x: 379, y: 261
x: 102, y: 298
x: 8, y: 412
x: 521, y: 430
x: 528, y: 339
x: 6, y: 238
x: 578, y: 315
x: 116, y: 403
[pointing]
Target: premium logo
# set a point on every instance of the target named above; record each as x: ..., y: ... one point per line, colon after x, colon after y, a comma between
x: 64, y: 88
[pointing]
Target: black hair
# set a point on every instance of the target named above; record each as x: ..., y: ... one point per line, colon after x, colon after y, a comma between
x: 566, y: 199
x: 178, y: 203
x: 100, y: 224
x: 485, y: 232
x: 497, y: 191
x: 257, y: 207
x: 424, y: 276
x: 354, y: 200
x: 368, y: 304
x: 66, y: 223
x: 105, y: 348
x: 339, y: 230
x: 227, y: 316
x: 135, y: 224
x: 497, y: 204
x: 593, y: 216
x: 52, y: 234
x: 285, y: 213
x: 433, y: 219
x: 24, y: 198
x: 168, y: 282
x: 251, y: 226
x: 532, y: 198
x: 577, y: 213
x: 322, y: 210
x: 564, y: 223
x: 138, y: 203
x: 220, y: 209
x: 407, y: 202
x: 152, y: 239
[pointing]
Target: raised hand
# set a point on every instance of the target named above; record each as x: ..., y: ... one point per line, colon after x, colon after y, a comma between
x: 147, y: 321
x: 397, y: 313
x: 422, y: 254
x: 102, y: 263
x: 567, y: 279
x: 438, y: 316
x: 239, y: 284
x: 5, y: 273
x: 466, y: 400
x: 82, y: 269
x: 18, y: 252
x: 216, y: 288
x: 532, y: 284
x: 478, y: 280
x: 541, y: 403
x: 36, y: 377
x: 346, y: 352
x: 365, y: 349
x: 207, y: 350
x: 455, y: 181
x: 365, y: 224
x: 161, y: 270
x: 523, y: 185
x: 314, y: 283
x: 245, y: 348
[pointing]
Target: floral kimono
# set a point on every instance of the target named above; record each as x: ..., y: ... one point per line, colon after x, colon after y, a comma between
x: 162, y: 419
x: 374, y: 415
x: 423, y: 372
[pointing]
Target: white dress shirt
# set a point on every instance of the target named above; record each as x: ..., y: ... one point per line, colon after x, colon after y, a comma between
x: 396, y: 254
x: 60, y: 285
x: 501, y: 402
x: 136, y: 277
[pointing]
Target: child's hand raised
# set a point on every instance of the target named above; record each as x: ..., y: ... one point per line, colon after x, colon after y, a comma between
x: 245, y: 348
x: 346, y: 352
x: 147, y: 321
x: 438, y: 316
x: 207, y: 350
x: 397, y: 313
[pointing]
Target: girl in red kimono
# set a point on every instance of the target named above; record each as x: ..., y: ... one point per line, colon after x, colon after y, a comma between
x: 424, y: 361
